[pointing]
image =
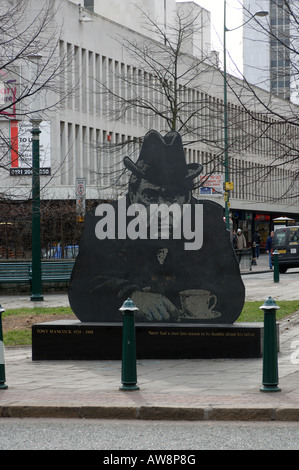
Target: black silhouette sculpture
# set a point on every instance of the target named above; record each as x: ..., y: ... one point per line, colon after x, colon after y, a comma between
x: 191, y: 276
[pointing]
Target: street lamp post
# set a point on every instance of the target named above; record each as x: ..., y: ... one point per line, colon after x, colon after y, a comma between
x: 3, y: 386
x: 36, y: 291
x: 229, y: 185
x: 226, y: 169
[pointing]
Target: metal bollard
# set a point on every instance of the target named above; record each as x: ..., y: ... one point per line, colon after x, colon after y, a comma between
x: 276, y: 266
x: 2, y: 363
x: 129, y: 372
x: 270, y: 361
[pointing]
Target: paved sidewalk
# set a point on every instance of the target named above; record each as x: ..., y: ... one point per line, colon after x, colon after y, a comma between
x: 195, y: 389
x: 261, y: 265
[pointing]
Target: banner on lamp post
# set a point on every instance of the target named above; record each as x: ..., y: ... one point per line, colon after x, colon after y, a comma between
x: 21, y: 148
x: 9, y: 92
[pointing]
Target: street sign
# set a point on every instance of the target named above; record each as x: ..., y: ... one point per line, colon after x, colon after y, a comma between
x: 229, y: 186
x: 213, y: 182
x: 80, y: 187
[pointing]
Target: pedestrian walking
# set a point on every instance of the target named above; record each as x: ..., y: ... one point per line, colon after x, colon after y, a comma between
x: 269, y: 248
x: 234, y: 240
x: 240, y: 243
x: 241, y: 240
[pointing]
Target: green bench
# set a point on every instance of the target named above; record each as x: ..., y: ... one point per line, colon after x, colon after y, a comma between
x: 15, y: 272
x: 57, y: 271
x: 21, y: 272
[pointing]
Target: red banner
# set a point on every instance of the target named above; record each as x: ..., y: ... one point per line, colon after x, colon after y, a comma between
x: 14, y: 138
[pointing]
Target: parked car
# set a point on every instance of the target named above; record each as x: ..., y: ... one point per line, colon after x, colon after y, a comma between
x: 286, y: 242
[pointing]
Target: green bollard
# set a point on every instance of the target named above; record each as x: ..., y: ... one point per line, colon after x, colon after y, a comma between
x: 270, y: 362
x: 276, y: 266
x: 2, y: 364
x: 129, y: 373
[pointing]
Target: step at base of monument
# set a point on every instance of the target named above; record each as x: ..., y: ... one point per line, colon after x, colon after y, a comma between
x: 74, y: 340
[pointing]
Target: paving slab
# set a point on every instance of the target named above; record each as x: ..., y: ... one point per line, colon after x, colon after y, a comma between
x: 190, y: 389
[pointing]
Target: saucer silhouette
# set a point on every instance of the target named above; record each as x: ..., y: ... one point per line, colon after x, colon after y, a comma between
x: 207, y: 315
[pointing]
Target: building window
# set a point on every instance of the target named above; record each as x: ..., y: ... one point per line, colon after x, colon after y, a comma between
x: 89, y: 5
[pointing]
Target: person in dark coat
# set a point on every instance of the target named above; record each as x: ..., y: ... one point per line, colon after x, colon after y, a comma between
x: 170, y: 279
x: 257, y: 239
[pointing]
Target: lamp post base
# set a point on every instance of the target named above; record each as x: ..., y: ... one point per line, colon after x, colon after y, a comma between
x: 128, y: 387
x: 3, y: 387
x: 36, y: 297
x: 270, y: 388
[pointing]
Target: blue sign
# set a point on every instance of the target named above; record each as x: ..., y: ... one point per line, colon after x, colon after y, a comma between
x: 204, y: 190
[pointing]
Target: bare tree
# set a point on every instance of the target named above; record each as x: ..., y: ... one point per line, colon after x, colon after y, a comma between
x: 26, y: 34
x: 31, y: 73
x: 60, y: 229
x: 272, y: 120
x: 168, y: 89
x: 162, y: 88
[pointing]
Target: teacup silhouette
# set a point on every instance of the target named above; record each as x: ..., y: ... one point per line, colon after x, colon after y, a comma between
x: 198, y: 304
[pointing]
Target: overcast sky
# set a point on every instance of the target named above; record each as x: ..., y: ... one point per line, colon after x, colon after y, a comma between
x: 234, y: 18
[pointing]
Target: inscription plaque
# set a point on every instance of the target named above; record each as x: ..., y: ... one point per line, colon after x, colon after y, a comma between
x: 76, y: 340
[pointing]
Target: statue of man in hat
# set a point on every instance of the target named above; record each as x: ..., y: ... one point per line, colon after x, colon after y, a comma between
x: 169, y: 278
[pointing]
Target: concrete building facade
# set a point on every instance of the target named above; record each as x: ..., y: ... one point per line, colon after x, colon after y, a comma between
x: 82, y: 132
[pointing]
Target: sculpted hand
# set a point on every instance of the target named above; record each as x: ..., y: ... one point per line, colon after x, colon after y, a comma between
x: 155, y: 307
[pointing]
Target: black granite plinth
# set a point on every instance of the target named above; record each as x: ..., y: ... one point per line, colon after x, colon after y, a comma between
x: 74, y: 340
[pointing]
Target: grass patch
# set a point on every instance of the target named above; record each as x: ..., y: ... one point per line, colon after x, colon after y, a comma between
x: 17, y: 338
x: 23, y: 336
x: 24, y: 312
x: 250, y: 313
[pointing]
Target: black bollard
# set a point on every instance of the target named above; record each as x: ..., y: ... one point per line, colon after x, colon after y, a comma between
x: 129, y: 370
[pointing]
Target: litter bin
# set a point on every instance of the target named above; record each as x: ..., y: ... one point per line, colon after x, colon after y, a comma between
x: 244, y: 258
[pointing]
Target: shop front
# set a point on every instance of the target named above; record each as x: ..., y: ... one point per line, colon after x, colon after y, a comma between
x: 250, y: 222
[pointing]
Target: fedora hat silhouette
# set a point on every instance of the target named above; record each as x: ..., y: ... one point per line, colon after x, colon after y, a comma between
x: 162, y: 161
